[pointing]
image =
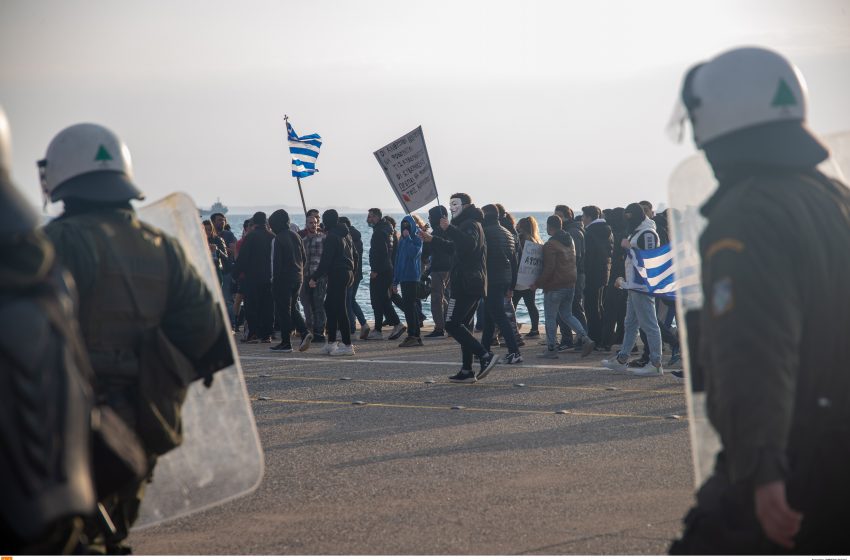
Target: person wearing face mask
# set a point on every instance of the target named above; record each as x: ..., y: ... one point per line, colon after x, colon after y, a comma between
x: 406, y: 273
x: 381, y: 275
x: 640, y: 305
x: 468, y: 282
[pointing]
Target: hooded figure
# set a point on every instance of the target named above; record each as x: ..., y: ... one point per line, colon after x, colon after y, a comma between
x: 407, y: 271
x: 338, y: 265
x: 288, y: 259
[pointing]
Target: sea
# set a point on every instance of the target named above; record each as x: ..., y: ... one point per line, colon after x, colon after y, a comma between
x: 358, y: 220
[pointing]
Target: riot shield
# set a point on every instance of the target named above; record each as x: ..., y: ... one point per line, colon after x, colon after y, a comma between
x: 691, y: 184
x: 221, y: 457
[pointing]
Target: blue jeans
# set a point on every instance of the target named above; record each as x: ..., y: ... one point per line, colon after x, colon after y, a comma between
x: 354, y: 311
x: 640, y: 314
x: 559, y: 303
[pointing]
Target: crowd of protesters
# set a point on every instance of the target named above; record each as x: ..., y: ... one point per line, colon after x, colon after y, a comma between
x: 466, y: 260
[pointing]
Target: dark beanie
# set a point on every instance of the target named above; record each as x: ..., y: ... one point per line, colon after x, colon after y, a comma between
x: 330, y: 218
x: 259, y: 219
x: 279, y: 221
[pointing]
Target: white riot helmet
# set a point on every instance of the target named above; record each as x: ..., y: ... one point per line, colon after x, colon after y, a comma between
x: 88, y: 162
x: 748, y: 105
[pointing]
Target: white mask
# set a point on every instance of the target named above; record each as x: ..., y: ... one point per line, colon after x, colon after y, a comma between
x: 456, y: 207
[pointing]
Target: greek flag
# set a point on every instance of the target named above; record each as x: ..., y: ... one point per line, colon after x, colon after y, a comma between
x: 654, y: 269
x: 304, y: 151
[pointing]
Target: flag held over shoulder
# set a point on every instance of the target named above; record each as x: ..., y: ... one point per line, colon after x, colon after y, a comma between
x: 304, y: 151
x: 408, y: 169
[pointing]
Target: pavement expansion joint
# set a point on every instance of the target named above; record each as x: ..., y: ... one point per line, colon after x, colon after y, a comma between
x: 462, y: 407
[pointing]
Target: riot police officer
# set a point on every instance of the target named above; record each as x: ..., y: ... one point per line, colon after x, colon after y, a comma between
x: 773, y: 343
x: 149, y: 322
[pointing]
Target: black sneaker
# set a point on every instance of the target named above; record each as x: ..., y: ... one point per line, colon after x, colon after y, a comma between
x: 640, y: 362
x: 266, y: 340
x: 678, y: 375
x: 318, y: 338
x: 488, y: 362
x: 513, y: 358
x: 463, y: 377
x: 436, y: 334
x: 533, y: 334
x: 282, y: 347
x: 564, y: 346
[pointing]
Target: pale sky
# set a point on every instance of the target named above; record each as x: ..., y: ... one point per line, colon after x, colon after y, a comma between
x: 526, y: 103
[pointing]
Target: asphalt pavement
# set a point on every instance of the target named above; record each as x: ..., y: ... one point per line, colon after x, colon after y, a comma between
x: 545, y: 457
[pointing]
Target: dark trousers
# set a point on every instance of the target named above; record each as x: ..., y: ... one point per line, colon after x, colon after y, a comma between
x: 527, y: 297
x: 593, y: 310
x: 459, y: 323
x: 336, y: 309
x: 613, y: 316
x: 411, y: 310
x: 495, y: 315
x: 379, y: 293
x: 259, y: 308
x: 286, y: 309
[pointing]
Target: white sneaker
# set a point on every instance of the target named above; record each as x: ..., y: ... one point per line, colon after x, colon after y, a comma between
x: 328, y: 348
x: 615, y: 364
x: 343, y: 350
x: 375, y: 335
x: 648, y: 370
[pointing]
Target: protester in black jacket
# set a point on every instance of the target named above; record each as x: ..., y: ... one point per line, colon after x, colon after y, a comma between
x: 501, y: 277
x: 354, y: 311
x: 468, y: 281
x: 614, y: 310
x: 598, y: 250
x: 287, y: 272
x: 255, y: 262
x: 381, y: 275
x: 338, y: 265
x: 440, y: 258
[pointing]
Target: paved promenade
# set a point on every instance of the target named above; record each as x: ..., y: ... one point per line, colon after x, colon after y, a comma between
x: 430, y: 467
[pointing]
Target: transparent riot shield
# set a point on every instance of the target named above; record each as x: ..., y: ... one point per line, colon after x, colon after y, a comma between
x: 691, y: 184
x: 221, y: 457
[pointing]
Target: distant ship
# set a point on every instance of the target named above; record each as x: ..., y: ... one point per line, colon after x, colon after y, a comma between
x: 217, y: 207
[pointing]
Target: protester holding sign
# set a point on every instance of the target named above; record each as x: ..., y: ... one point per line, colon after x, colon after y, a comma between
x: 530, y: 267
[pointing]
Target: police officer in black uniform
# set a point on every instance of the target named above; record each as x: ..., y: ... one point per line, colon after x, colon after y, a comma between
x: 148, y: 320
x: 773, y: 348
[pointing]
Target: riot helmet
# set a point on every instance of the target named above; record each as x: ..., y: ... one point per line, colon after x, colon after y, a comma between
x: 748, y: 106
x: 88, y: 162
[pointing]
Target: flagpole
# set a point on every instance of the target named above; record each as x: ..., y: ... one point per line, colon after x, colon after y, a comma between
x: 303, y: 204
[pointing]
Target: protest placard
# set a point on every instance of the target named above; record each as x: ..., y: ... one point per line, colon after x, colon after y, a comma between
x: 530, y: 265
x: 408, y: 169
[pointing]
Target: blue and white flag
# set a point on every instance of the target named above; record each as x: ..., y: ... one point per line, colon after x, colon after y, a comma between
x: 654, y: 269
x: 304, y: 151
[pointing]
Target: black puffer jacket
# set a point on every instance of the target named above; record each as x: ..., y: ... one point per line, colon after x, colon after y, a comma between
x: 598, y: 251
x: 288, y: 256
x: 469, y: 268
x: 501, y: 253
x: 337, y: 252
x: 576, y: 230
x: 381, y: 247
x: 440, y: 254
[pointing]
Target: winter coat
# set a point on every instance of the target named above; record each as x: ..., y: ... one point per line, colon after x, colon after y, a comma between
x: 576, y: 230
x: 408, y: 261
x: 502, y: 257
x: 466, y: 238
x: 288, y: 259
x: 598, y: 251
x: 381, y: 246
x: 337, y: 252
x: 357, y: 239
x: 255, y: 257
x: 439, y: 254
x: 559, y: 263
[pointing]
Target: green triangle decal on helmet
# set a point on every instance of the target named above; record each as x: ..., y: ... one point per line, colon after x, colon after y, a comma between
x: 103, y: 154
x: 783, y: 97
